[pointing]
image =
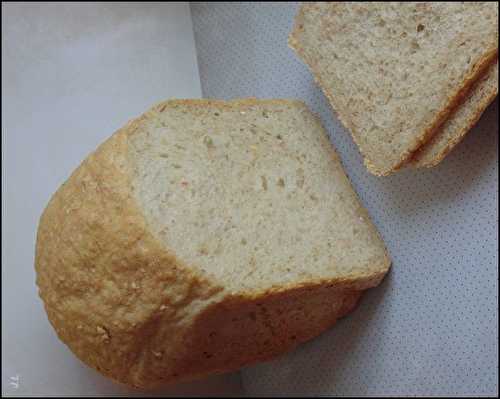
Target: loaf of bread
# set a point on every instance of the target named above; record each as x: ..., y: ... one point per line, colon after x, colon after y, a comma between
x: 462, y: 119
x: 395, y: 71
x: 203, y: 236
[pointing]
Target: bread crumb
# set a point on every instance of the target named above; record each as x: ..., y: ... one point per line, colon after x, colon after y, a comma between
x: 208, y: 142
x: 264, y: 183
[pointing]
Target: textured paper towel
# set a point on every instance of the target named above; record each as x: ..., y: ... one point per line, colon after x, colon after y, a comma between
x: 432, y: 326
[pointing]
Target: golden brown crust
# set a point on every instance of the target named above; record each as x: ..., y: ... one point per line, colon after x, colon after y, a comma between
x: 128, y: 307
x: 456, y: 97
x: 93, y: 250
x: 237, y: 331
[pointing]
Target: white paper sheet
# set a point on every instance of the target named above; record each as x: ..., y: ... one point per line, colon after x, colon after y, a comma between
x: 431, y: 328
x: 73, y: 73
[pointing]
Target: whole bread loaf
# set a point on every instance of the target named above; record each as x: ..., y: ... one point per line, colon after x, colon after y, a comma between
x: 203, y: 236
x: 394, y: 71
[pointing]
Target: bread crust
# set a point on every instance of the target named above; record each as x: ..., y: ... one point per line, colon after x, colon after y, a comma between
x: 480, y: 65
x: 129, y: 308
x: 434, y: 151
x: 102, y: 276
x: 240, y: 330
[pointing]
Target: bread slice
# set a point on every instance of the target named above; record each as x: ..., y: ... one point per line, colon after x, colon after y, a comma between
x: 394, y: 71
x: 203, y: 236
x: 460, y: 122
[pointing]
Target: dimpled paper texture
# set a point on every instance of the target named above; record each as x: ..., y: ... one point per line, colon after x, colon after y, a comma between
x: 431, y: 327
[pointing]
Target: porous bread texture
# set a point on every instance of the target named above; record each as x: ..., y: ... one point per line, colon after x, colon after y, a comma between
x: 250, y: 194
x: 393, y: 72
x: 201, y: 237
x: 455, y: 128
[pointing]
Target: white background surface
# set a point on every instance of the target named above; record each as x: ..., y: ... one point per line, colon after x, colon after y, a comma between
x: 431, y: 328
x: 71, y: 75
